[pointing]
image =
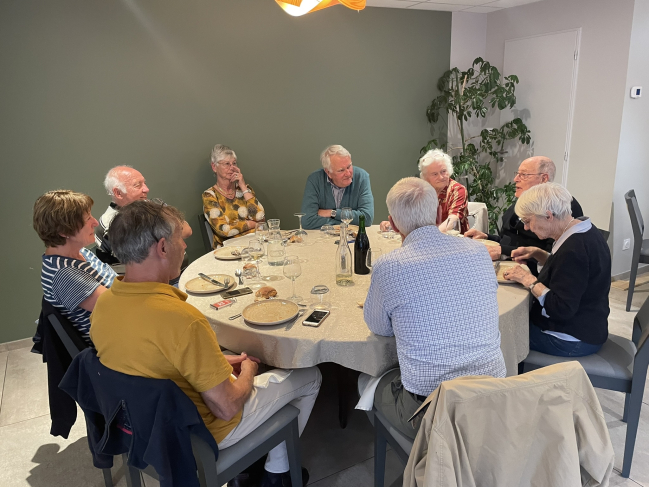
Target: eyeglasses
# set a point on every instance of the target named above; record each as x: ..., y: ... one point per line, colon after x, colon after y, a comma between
x: 524, y: 176
x: 228, y: 164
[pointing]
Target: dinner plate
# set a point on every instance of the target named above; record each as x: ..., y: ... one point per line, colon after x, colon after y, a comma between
x: 488, y: 243
x: 350, y: 228
x: 225, y: 253
x: 270, y: 312
x: 201, y: 286
x: 505, y: 266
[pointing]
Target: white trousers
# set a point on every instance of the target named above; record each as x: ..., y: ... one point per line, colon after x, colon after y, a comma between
x: 300, y: 389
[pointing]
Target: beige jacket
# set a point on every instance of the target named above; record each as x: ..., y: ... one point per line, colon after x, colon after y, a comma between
x: 544, y: 428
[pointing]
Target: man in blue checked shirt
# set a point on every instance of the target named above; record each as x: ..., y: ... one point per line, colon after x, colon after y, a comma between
x: 437, y: 295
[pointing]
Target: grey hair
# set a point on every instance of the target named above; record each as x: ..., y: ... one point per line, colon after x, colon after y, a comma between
x: 332, y: 150
x: 546, y: 166
x: 540, y: 199
x: 113, y: 180
x: 435, y: 155
x: 412, y: 204
x: 139, y: 226
x: 221, y: 152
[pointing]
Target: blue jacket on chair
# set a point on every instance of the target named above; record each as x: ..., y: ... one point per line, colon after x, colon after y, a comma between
x: 151, y: 419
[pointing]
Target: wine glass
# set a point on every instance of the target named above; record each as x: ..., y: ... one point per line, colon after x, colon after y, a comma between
x: 320, y: 290
x: 256, y: 251
x: 372, y: 255
x: 453, y: 227
x: 261, y: 232
x: 293, y: 270
x: 346, y: 215
x: 300, y: 233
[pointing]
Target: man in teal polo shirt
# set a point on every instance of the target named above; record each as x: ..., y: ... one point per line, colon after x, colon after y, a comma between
x: 337, y: 185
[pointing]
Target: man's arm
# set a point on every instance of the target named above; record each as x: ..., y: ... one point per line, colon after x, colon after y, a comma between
x: 377, y: 318
x: 310, y: 206
x: 365, y: 202
x: 227, y: 399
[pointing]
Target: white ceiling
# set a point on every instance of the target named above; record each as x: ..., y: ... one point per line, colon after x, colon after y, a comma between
x: 476, y: 6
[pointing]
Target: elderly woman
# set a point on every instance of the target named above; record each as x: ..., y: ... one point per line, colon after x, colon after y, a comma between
x: 436, y: 167
x: 71, y: 276
x: 569, y: 315
x: 230, y: 205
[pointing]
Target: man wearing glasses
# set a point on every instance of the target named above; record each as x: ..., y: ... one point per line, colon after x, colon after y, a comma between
x: 337, y: 185
x: 532, y: 171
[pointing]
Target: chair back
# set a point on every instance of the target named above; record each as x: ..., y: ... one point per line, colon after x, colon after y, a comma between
x: 641, y: 329
x: 67, y: 333
x: 206, y: 232
x: 637, y: 223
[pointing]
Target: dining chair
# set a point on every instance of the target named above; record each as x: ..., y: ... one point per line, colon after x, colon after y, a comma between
x: 206, y: 232
x: 384, y: 435
x: 640, y: 245
x: 620, y: 365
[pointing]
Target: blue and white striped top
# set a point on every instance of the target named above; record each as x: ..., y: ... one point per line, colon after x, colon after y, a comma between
x: 68, y: 282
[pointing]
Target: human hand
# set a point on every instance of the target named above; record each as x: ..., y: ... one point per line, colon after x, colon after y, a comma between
x: 238, y: 177
x: 236, y: 360
x: 324, y: 213
x: 523, y: 254
x: 473, y: 233
x: 249, y: 366
x: 494, y: 251
x: 518, y: 274
x: 385, y: 226
x: 251, y: 224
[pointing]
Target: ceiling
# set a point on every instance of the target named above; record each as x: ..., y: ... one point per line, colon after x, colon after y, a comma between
x: 476, y: 6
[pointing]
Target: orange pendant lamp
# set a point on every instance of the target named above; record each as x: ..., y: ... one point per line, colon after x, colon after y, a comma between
x: 297, y: 8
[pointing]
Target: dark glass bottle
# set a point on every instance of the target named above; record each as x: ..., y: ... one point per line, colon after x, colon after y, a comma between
x: 361, y: 247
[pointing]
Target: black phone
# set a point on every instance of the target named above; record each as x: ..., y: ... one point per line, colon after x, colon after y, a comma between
x: 316, y: 318
x: 235, y: 293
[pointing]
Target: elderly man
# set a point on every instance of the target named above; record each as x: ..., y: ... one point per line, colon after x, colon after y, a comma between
x: 124, y: 185
x: 337, y: 185
x: 415, y: 295
x: 145, y: 328
x: 532, y: 171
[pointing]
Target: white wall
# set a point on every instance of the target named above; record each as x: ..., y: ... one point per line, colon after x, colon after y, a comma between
x: 601, y: 85
x: 633, y: 155
x: 468, y: 38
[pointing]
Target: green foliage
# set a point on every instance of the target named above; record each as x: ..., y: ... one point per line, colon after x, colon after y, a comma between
x: 471, y: 94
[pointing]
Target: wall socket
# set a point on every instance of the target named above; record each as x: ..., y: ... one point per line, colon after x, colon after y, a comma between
x: 627, y: 244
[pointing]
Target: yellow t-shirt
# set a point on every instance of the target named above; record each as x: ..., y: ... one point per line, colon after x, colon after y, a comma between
x: 147, y: 329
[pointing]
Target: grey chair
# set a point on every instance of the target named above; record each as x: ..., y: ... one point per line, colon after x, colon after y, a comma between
x: 386, y: 434
x: 640, y: 245
x: 620, y: 365
x: 282, y: 426
x: 206, y: 232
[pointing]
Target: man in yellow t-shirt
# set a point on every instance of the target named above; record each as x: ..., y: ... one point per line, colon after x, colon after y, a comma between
x: 142, y: 326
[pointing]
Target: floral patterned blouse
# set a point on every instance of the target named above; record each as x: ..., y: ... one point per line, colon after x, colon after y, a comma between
x: 229, y: 217
x: 453, y: 201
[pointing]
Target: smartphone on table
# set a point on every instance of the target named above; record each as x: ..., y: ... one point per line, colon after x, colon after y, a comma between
x: 235, y: 293
x: 316, y: 318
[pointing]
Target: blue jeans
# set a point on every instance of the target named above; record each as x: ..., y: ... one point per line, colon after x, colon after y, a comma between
x: 544, y: 343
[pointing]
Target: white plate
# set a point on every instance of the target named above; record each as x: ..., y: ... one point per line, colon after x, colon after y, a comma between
x: 201, y: 286
x: 270, y: 312
x: 225, y: 253
x: 504, y: 266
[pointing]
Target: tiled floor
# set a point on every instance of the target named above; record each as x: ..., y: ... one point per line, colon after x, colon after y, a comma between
x: 29, y: 456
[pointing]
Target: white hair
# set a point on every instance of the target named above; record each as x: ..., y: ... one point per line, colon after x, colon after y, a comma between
x: 113, y: 180
x: 412, y: 204
x: 332, y: 150
x: 540, y: 199
x: 435, y: 155
x: 546, y: 166
x: 220, y: 153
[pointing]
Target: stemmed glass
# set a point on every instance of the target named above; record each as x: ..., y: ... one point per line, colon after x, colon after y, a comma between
x: 293, y: 270
x: 261, y: 232
x: 346, y: 215
x: 453, y: 227
x: 320, y: 290
x: 300, y: 233
x: 256, y: 251
x: 372, y: 255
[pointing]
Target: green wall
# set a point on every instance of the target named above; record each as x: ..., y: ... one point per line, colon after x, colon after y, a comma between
x: 89, y: 84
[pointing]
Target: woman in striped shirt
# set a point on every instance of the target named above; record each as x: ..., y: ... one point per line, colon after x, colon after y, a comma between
x: 71, y: 276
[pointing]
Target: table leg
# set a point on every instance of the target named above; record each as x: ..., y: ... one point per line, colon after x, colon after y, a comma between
x: 347, y: 392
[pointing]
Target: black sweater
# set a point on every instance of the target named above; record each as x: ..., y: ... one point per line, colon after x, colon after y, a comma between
x: 579, y: 278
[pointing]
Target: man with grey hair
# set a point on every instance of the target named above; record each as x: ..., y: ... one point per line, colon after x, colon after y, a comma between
x: 437, y: 295
x: 532, y: 171
x: 337, y: 185
x: 124, y: 185
x: 145, y: 328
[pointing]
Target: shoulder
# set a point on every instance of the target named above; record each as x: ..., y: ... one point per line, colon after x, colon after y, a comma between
x: 107, y: 217
x: 318, y: 175
x: 359, y: 171
x: 456, y: 188
x: 209, y: 193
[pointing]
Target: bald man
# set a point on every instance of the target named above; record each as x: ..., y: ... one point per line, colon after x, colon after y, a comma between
x: 532, y: 171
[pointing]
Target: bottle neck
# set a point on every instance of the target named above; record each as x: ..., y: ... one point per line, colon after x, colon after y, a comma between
x: 361, y: 224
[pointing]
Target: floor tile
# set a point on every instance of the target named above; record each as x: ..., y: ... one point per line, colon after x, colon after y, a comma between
x: 362, y: 474
x: 16, y: 345
x: 3, y: 369
x: 640, y: 294
x: 25, y: 388
x: 613, y: 405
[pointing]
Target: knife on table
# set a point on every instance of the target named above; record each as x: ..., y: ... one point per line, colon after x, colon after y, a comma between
x: 213, y: 281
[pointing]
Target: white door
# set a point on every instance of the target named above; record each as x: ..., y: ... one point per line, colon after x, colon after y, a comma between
x: 546, y: 66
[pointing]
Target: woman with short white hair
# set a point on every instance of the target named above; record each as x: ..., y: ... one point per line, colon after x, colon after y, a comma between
x: 569, y: 315
x: 436, y: 167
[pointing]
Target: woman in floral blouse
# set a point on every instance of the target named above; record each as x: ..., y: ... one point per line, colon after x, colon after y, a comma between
x: 230, y: 205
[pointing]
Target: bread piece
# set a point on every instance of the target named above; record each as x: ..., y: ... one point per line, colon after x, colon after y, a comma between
x: 295, y: 239
x: 249, y: 266
x: 266, y: 292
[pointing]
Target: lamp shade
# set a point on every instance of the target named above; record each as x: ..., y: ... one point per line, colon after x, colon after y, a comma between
x: 297, y: 8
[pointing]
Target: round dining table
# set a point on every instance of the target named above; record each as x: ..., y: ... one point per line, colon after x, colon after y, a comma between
x: 343, y: 337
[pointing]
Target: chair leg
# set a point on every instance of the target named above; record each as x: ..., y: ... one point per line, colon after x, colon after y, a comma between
x: 294, y: 457
x: 108, y: 478
x: 380, y: 447
x: 343, y: 394
x: 633, y: 406
x: 634, y: 271
x: 132, y: 474
x: 625, y: 414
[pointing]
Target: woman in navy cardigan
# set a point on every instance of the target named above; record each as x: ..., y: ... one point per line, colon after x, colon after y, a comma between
x: 569, y: 315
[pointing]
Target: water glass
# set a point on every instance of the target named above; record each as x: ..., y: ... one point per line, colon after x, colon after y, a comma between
x: 261, y: 231
x: 346, y: 215
x: 256, y: 251
x: 273, y: 224
x: 453, y: 227
x: 293, y: 270
x: 372, y: 256
x: 326, y: 231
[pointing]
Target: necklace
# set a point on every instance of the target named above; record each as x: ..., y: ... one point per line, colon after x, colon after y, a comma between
x: 228, y: 194
x: 566, y: 227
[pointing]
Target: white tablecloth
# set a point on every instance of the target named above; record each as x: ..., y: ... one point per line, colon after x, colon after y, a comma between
x: 343, y: 337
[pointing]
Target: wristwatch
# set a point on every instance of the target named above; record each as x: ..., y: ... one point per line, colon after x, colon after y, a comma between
x: 333, y: 213
x: 531, y: 286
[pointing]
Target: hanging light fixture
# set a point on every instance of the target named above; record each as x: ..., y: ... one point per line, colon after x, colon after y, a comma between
x: 301, y: 7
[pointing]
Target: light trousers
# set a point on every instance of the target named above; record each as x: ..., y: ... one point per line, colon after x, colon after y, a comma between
x: 300, y: 389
